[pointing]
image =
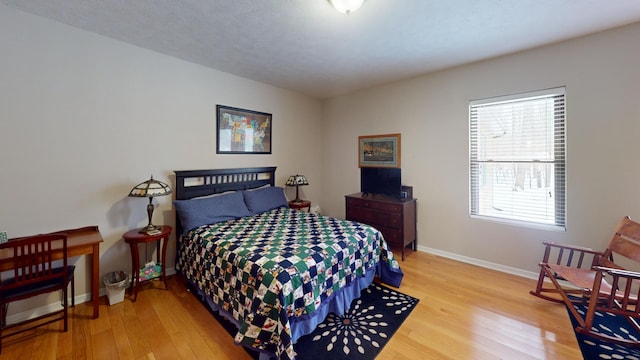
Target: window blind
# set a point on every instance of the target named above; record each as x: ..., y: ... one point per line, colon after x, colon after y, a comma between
x: 517, y: 158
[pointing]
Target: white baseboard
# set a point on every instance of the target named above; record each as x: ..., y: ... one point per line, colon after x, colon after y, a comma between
x: 482, y: 263
x: 44, y: 309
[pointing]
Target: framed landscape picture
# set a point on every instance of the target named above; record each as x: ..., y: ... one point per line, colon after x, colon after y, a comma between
x: 379, y: 151
x: 241, y: 131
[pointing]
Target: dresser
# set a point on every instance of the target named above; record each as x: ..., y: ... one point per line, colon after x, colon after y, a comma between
x: 396, y: 219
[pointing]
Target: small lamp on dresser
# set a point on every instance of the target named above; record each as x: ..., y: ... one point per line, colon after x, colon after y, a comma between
x: 297, y: 181
x: 150, y: 188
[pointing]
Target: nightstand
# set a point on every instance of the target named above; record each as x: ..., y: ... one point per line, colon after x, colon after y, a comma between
x: 300, y: 205
x: 140, y: 275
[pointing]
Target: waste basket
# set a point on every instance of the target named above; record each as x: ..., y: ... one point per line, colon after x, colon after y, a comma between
x: 116, y: 282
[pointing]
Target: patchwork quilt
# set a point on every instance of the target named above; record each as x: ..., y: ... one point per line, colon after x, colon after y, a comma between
x: 266, y: 268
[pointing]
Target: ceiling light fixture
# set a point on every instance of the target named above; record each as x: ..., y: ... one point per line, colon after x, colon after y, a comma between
x: 347, y: 6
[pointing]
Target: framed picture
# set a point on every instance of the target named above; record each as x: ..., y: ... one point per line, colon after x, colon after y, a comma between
x: 379, y: 151
x: 241, y: 131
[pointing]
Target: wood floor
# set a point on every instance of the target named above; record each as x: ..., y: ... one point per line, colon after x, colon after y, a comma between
x: 465, y: 312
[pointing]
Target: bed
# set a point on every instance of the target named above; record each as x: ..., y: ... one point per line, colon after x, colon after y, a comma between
x: 273, y: 271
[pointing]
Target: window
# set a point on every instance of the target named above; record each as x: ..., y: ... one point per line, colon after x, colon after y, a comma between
x: 517, y: 158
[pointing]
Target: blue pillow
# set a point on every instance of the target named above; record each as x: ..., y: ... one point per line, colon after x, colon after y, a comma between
x: 204, y: 211
x: 265, y: 199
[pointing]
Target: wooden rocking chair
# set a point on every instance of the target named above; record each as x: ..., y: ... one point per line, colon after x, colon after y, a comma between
x: 585, y: 276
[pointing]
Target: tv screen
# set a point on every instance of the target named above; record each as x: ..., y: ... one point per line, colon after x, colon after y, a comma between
x: 383, y: 181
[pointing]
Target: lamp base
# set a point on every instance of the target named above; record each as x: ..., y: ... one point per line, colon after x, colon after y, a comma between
x: 149, y: 229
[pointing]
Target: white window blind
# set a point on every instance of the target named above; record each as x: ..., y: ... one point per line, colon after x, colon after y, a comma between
x: 517, y: 158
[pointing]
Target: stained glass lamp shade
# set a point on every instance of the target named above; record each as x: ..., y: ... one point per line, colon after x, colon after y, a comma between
x: 150, y: 188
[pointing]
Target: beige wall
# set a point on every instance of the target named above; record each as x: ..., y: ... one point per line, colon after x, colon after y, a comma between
x: 84, y: 118
x: 602, y: 79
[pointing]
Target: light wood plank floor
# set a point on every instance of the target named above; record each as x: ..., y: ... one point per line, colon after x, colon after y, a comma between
x: 465, y: 312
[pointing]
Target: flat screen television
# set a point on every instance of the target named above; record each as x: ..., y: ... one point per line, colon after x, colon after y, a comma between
x: 383, y: 181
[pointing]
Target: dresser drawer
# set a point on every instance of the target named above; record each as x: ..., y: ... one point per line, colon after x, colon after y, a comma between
x: 362, y: 215
x: 374, y: 205
x: 383, y: 206
x: 388, y: 220
x: 358, y: 202
x: 393, y: 237
x: 374, y: 218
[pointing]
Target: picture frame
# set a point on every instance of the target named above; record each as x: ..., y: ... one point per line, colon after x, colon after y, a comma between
x: 241, y: 131
x: 379, y: 151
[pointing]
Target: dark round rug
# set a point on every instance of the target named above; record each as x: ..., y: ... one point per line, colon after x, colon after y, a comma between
x: 612, y: 325
x: 360, y: 333
x: 363, y: 330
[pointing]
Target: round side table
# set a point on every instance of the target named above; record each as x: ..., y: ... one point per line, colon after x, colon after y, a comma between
x: 140, y: 275
x: 300, y: 205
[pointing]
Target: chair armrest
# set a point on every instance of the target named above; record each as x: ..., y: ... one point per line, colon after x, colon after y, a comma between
x: 573, y: 247
x: 571, y: 255
x: 619, y: 272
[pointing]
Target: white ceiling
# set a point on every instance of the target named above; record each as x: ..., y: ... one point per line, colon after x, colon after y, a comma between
x: 309, y: 47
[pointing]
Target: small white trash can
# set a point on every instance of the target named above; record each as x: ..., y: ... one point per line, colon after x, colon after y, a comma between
x: 116, y: 282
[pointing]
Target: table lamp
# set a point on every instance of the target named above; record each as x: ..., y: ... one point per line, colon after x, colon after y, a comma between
x: 150, y: 188
x: 297, y: 181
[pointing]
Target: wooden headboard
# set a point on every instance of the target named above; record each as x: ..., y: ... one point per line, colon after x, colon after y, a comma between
x: 194, y: 183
